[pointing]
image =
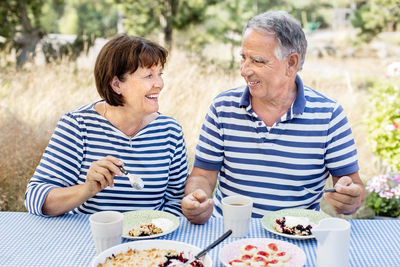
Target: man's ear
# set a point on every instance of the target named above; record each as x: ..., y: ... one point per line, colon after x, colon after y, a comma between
x: 115, y: 85
x: 293, y: 61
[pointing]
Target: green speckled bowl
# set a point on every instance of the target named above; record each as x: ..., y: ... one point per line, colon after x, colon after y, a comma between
x: 133, y: 219
x: 314, y: 216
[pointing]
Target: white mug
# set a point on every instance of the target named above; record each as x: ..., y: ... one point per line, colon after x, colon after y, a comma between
x: 333, y: 236
x: 237, y: 211
x: 106, y: 229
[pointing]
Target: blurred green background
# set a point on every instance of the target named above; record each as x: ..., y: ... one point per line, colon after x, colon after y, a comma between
x: 192, y: 24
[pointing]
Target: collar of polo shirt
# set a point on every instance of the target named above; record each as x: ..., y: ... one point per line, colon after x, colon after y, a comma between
x: 298, y: 105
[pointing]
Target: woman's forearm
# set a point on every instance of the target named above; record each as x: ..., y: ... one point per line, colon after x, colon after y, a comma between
x: 61, y: 200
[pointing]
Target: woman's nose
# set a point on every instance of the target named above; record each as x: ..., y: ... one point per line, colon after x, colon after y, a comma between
x: 159, y: 83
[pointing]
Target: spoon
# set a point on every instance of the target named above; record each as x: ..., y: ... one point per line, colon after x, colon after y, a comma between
x: 317, y: 192
x: 136, y: 182
x: 211, y: 246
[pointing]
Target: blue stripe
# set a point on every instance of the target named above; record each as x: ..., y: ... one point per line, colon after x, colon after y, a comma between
x: 265, y: 184
x: 265, y: 162
x: 243, y: 172
x: 264, y: 152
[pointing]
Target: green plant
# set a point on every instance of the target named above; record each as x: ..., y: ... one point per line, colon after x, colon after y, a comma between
x: 384, y: 194
x: 383, y: 120
x: 375, y: 16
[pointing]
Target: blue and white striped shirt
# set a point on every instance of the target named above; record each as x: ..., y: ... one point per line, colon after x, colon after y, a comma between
x: 157, y: 153
x: 272, y: 164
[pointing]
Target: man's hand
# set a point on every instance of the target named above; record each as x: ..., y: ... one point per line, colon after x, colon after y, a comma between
x: 197, y: 207
x: 348, y: 196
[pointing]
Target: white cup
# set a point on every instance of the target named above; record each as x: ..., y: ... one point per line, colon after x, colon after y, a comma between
x: 106, y: 229
x: 237, y: 210
x: 333, y: 236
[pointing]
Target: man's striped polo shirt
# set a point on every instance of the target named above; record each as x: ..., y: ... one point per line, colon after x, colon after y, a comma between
x: 273, y: 164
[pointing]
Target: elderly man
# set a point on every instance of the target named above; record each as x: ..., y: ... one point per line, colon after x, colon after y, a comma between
x: 274, y: 137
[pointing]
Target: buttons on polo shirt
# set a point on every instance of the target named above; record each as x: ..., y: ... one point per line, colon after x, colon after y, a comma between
x: 267, y: 142
x: 259, y: 123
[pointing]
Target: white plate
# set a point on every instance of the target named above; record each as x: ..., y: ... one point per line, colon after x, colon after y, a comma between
x: 314, y: 216
x: 232, y: 250
x: 187, y: 249
x: 133, y: 219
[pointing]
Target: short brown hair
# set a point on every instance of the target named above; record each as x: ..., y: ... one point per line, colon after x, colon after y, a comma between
x: 124, y: 54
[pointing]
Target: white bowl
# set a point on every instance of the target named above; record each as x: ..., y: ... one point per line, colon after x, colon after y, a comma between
x: 232, y: 250
x: 187, y: 249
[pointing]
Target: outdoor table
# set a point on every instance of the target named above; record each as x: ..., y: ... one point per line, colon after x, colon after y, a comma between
x: 29, y: 240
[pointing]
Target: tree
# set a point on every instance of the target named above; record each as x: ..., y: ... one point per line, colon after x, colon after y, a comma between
x: 26, y: 22
x: 225, y: 22
x: 144, y: 17
x: 21, y: 26
x: 375, y: 16
x: 91, y: 20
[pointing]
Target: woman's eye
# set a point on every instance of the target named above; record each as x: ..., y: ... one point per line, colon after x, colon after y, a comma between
x: 148, y: 76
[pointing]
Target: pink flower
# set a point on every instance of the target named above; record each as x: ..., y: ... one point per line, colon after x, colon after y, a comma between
x: 386, y: 186
x: 393, y: 69
x: 386, y: 194
x: 389, y: 127
x: 396, y: 192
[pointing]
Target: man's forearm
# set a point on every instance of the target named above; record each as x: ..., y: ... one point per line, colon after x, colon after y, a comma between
x: 196, y: 182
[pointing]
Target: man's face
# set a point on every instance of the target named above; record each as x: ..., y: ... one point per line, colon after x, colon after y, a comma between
x: 265, y: 75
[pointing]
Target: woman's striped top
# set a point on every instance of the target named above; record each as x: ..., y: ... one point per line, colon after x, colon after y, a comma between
x: 273, y: 164
x: 157, y: 153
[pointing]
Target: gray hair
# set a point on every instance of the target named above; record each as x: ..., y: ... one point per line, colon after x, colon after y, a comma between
x: 288, y: 32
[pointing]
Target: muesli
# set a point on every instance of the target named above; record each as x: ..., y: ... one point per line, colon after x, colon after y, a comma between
x: 149, y: 257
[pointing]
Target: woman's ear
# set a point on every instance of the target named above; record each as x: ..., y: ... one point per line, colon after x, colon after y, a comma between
x: 292, y: 64
x: 115, y: 85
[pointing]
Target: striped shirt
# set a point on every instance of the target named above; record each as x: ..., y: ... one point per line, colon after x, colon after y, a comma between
x: 157, y: 153
x: 273, y: 164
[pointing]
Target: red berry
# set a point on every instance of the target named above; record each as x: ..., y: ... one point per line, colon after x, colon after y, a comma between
x: 273, y: 246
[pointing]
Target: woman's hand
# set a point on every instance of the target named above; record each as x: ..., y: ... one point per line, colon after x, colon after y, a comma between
x: 101, y: 174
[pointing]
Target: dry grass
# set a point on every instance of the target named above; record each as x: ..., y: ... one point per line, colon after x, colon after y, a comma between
x: 33, y: 99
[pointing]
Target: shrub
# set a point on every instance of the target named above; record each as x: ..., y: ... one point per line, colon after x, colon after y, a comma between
x: 384, y: 194
x: 383, y: 121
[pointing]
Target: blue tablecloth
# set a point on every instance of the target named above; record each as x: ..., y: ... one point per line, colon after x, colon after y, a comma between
x: 29, y: 240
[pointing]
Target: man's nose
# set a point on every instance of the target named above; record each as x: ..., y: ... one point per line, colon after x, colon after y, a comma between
x: 245, y: 69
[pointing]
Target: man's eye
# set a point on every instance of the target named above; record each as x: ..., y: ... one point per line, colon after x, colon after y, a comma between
x: 260, y: 61
x: 148, y: 76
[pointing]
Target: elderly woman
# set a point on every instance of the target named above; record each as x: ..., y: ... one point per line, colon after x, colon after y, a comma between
x: 79, y: 171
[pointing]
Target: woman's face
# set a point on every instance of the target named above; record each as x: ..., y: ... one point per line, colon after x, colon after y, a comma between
x: 142, y: 88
